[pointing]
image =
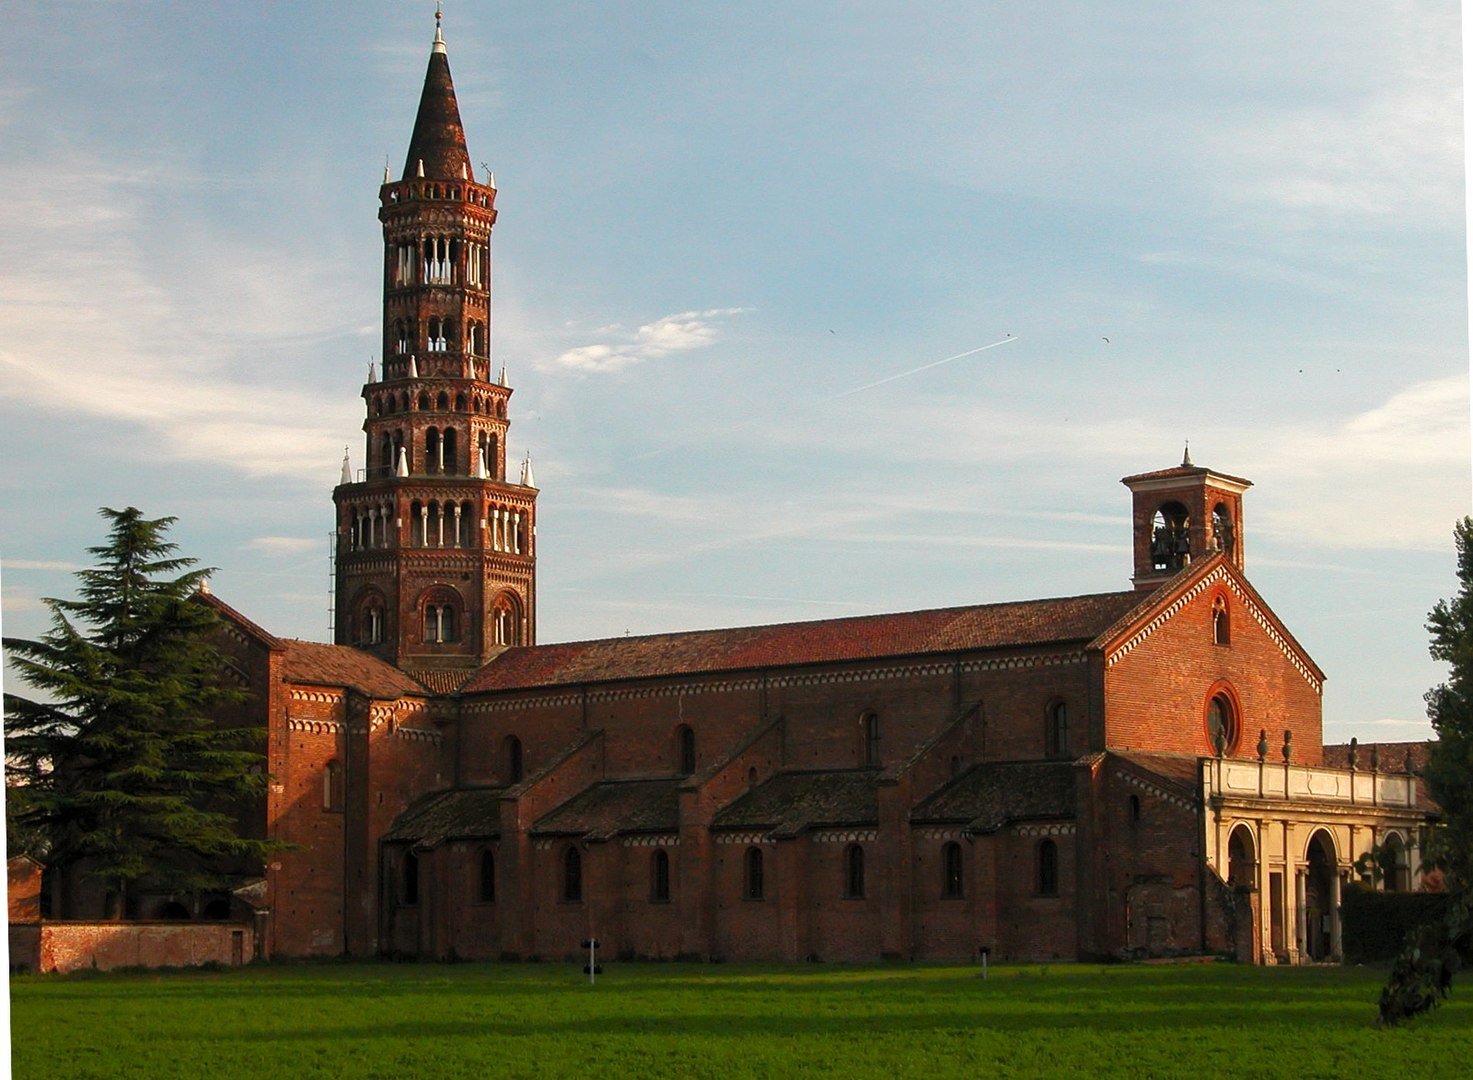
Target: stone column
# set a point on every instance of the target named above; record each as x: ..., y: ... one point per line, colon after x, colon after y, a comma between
x: 1301, y: 915
x: 1336, y: 953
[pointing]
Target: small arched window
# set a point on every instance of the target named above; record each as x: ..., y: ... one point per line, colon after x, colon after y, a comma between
x: 1135, y: 809
x: 1221, y: 628
x: 513, y: 759
x: 572, y: 876
x: 410, y: 882
x: 685, y: 749
x: 752, y: 884
x: 660, y: 877
x: 854, y: 872
x: 1048, y: 868
x: 332, y: 792
x: 486, y: 892
x: 1056, y: 730
x: 869, y: 739
x: 951, y: 871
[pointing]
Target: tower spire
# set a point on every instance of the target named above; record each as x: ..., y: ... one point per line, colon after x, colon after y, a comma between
x: 438, y: 142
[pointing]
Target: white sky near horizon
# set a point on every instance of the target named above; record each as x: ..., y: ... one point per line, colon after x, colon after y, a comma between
x: 723, y: 230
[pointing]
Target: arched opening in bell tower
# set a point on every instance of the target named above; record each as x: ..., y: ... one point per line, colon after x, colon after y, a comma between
x: 1171, y: 547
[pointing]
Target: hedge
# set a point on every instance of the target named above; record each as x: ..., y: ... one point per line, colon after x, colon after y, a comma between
x: 1374, y: 925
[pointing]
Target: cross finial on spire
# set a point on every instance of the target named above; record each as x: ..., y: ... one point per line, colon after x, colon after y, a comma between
x: 439, y: 40
x: 1186, y: 455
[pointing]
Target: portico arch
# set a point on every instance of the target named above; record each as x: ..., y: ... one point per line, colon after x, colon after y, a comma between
x: 1242, y: 856
x: 1321, y: 912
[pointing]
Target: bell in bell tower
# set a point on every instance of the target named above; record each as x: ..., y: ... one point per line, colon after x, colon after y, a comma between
x: 436, y: 565
x: 1183, y: 515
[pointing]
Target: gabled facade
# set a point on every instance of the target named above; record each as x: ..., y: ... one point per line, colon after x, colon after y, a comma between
x: 1127, y: 773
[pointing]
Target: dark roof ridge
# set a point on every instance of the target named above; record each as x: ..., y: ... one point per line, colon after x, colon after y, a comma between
x: 958, y: 608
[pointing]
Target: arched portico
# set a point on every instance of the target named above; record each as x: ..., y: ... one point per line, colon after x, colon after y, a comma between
x: 1319, y: 900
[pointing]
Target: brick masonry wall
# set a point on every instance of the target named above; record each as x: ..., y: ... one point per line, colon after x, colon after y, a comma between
x: 1159, y: 691
x: 72, y: 946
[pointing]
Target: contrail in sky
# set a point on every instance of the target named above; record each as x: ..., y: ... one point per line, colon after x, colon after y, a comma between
x: 924, y: 367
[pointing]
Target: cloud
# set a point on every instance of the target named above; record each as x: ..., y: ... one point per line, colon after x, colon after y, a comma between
x: 671, y: 334
x: 98, y: 323
x: 41, y: 564
x: 285, y: 545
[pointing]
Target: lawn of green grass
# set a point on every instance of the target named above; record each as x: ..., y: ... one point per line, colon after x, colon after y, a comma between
x: 679, y: 1020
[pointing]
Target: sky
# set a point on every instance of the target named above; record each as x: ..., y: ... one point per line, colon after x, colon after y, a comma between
x: 748, y: 264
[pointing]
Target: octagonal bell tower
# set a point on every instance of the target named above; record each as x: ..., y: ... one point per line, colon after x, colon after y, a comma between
x: 436, y: 545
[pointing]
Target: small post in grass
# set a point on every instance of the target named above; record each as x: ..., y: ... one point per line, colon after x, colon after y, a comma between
x: 985, y: 951
x: 593, y: 968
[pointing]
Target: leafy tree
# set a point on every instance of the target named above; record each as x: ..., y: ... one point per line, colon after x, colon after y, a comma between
x: 123, y: 768
x: 1423, y: 973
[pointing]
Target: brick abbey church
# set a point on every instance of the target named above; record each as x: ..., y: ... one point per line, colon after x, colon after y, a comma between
x: 1129, y: 773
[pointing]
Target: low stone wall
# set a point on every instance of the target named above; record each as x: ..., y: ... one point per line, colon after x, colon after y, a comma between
x: 70, y: 946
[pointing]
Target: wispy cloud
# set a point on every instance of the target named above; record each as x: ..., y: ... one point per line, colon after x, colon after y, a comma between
x: 41, y: 564
x: 285, y: 545
x: 666, y: 336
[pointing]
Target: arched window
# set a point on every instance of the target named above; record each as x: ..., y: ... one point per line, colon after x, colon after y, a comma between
x: 854, y: 872
x: 1048, y: 868
x: 1056, y: 730
x: 685, y: 749
x: 449, y: 455
x: 506, y: 620
x: 410, y: 880
x: 1135, y: 809
x: 951, y: 871
x: 332, y: 786
x: 442, y: 403
x: 869, y: 739
x: 1221, y: 628
x: 486, y: 893
x: 433, y: 460
x: 1171, y: 547
x: 572, y: 876
x: 1223, y: 724
x: 659, y: 877
x: 752, y: 884
x: 751, y: 776
x: 513, y: 759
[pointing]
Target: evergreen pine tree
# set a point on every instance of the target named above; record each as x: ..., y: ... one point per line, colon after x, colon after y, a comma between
x: 123, y: 767
x: 1423, y: 973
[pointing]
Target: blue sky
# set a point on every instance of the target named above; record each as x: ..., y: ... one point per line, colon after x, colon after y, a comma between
x: 718, y: 222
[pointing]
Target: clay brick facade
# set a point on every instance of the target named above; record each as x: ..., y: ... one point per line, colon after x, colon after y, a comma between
x: 1128, y: 773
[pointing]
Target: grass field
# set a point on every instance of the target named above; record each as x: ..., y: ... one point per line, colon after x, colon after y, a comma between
x: 409, y: 1020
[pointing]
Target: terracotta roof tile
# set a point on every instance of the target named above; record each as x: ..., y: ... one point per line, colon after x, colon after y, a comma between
x: 468, y: 814
x: 790, y: 802
x: 439, y: 680
x: 342, y: 665
x: 1183, y: 471
x: 988, y: 626
x: 990, y: 796
x: 1181, y: 771
x: 614, y: 807
x: 1393, y: 755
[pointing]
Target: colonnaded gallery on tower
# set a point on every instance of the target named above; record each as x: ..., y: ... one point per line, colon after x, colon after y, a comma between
x: 1129, y: 773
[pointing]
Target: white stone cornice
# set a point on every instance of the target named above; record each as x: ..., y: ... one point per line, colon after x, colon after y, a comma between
x: 1064, y: 828
x: 844, y: 836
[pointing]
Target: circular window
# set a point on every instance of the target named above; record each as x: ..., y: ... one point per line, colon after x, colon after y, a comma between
x: 1222, y: 724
